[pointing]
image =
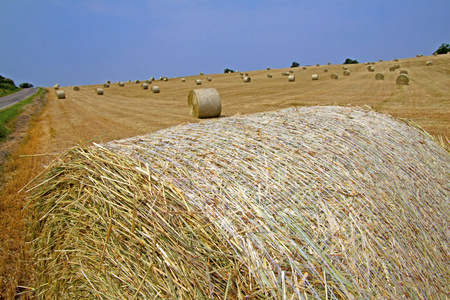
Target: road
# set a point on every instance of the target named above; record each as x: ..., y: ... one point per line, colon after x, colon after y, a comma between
x: 16, y: 97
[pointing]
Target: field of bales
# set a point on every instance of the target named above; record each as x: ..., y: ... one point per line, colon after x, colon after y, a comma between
x: 83, y: 118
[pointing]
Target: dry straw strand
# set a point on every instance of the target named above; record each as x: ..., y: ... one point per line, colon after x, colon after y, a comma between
x: 289, y: 204
x: 204, y: 103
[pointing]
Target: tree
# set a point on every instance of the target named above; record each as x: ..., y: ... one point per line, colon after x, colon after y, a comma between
x: 443, y: 49
x: 25, y: 85
x: 295, y: 64
x: 228, y: 71
x: 8, y: 84
x: 350, y: 61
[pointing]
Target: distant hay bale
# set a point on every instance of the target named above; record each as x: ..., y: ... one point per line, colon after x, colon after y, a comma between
x: 56, y: 86
x: 315, y: 77
x: 334, y: 76
x: 155, y: 89
x: 99, y: 91
x: 317, y: 65
x: 430, y: 63
x: 120, y: 83
x: 144, y: 86
x: 291, y: 71
x: 108, y: 82
x: 268, y: 69
x: 329, y: 64
x: 160, y: 78
x: 129, y: 80
x: 304, y: 68
x: 381, y: 60
x: 346, y: 73
x: 76, y: 88
x: 345, y: 67
x: 209, y: 79
x: 396, y: 59
x: 397, y: 66
x: 291, y: 78
x: 137, y: 81
x: 269, y: 75
x: 392, y: 69
x: 402, y: 79
x: 285, y: 73
x: 379, y: 76
x: 371, y: 69
x: 325, y: 70
x: 198, y: 82
x: 246, y: 74
x: 404, y: 72
x: 303, y: 203
x: 183, y: 79
x: 201, y: 73
x: 204, y: 103
x: 165, y: 79
x: 61, y: 94
x: 152, y: 79
x: 373, y: 63
x: 435, y: 54
x: 106, y: 85
x: 148, y: 81
x: 247, y: 79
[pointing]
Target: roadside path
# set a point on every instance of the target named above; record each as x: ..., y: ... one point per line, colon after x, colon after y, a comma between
x: 16, y: 97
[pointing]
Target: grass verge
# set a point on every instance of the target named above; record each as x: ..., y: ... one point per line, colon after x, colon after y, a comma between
x: 9, y: 115
x: 6, y: 92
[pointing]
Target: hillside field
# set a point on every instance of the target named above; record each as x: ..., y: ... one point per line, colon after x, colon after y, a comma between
x: 122, y: 112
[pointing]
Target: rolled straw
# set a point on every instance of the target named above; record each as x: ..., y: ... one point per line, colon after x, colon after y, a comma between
x: 144, y: 86
x: 61, y: 94
x: 315, y: 77
x: 402, y: 79
x: 155, y: 89
x: 379, y: 76
x: 334, y: 76
x: 204, y: 103
x: 99, y: 91
x: 291, y: 78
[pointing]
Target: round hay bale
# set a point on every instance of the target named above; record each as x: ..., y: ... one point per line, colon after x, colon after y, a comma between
x: 381, y: 60
x: 291, y: 71
x: 155, y: 89
x: 99, y: 91
x: 129, y: 80
x: 247, y: 79
x: 345, y: 67
x: 201, y: 73
x: 404, y: 72
x: 317, y: 65
x: 396, y: 59
x: 120, y: 83
x: 183, y: 79
x: 269, y: 75
x: 435, y: 54
x: 152, y: 79
x: 430, y: 63
x: 144, y: 86
x: 209, y: 79
x: 56, y: 86
x: 304, y: 68
x: 268, y: 69
x: 334, y: 76
x: 106, y: 85
x: 392, y: 69
x: 291, y: 78
x: 371, y: 69
x: 61, y: 94
x: 315, y: 77
x: 137, y: 81
x: 76, y: 88
x: 198, y: 82
x: 379, y: 76
x: 165, y: 79
x: 397, y: 66
x: 402, y: 79
x: 329, y: 64
x: 246, y: 74
x: 108, y: 82
x: 325, y: 70
x: 204, y: 103
x: 303, y: 203
x: 346, y: 73
x: 148, y: 81
x: 160, y: 78
x: 286, y: 74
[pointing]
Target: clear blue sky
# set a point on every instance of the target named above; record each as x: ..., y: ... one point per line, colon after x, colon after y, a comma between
x: 79, y: 42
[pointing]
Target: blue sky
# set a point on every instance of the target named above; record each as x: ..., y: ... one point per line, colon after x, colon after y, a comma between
x: 90, y: 41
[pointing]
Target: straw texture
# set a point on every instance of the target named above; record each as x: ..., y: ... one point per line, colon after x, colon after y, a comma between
x: 309, y: 203
x: 204, y: 103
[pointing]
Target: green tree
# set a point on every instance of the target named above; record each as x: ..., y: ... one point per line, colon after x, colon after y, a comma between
x: 25, y: 85
x: 443, y: 49
x: 7, y: 84
x: 350, y: 61
x: 228, y: 71
x: 295, y: 64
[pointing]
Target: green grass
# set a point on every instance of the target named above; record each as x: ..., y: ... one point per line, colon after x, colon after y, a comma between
x: 9, y: 115
x: 6, y: 92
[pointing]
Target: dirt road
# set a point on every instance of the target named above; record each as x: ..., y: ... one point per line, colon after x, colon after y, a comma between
x: 16, y: 97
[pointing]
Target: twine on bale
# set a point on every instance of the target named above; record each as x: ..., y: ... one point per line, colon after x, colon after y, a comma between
x: 309, y: 203
x: 204, y: 103
x: 61, y: 94
x: 402, y: 79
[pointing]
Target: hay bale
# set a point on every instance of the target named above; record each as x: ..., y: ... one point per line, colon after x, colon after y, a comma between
x: 106, y: 85
x: 268, y: 69
x: 269, y: 75
x: 396, y: 59
x: 137, y: 81
x: 379, y: 76
x: 183, y: 79
x: 209, y: 79
x: 247, y: 79
x: 303, y: 203
x: 402, y: 79
x: 99, y: 91
x: 291, y: 71
x: 317, y: 65
x: 108, y: 82
x: 152, y: 79
x: 329, y: 64
x: 155, y: 89
x: 246, y: 74
x: 144, y: 86
x: 129, y: 80
x: 56, y: 86
x: 397, y: 66
x: 392, y: 69
x: 76, y: 88
x: 430, y: 63
x: 404, y: 72
x: 120, y: 83
x: 291, y: 78
x: 148, y: 81
x: 435, y: 54
x: 201, y: 73
x: 334, y: 76
x: 204, y: 103
x: 198, y: 82
x: 304, y: 68
x: 165, y: 79
x: 285, y: 74
x: 345, y: 67
x: 325, y: 70
x: 371, y: 69
x: 315, y: 77
x: 61, y: 94
x: 346, y: 73
x: 160, y: 78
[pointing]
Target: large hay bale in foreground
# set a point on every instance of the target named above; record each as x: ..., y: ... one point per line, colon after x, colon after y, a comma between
x: 204, y: 103
x: 315, y: 202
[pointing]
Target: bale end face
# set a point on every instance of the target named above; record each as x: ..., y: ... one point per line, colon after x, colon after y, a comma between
x: 75, y: 88
x: 144, y: 86
x: 346, y: 73
x: 61, y: 94
x: 291, y: 78
x: 402, y: 79
x: 334, y: 76
x: 155, y: 89
x: 99, y: 91
x: 379, y: 76
x: 198, y: 82
x: 204, y: 103
x: 315, y: 77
